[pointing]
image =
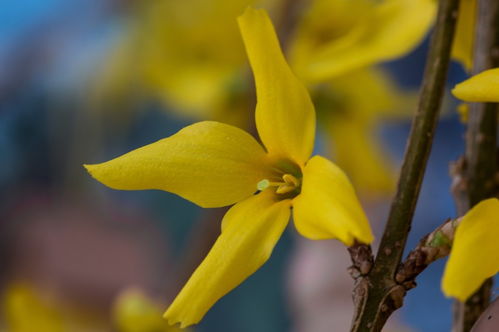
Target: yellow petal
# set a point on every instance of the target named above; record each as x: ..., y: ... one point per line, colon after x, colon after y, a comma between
x: 209, y: 163
x: 327, y: 206
x: 394, y: 29
x: 483, y: 87
x: 462, y: 48
x: 285, y: 116
x: 250, y: 231
x: 475, y: 251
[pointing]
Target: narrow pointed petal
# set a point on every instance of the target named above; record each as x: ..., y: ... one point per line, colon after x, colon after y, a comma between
x: 327, y: 206
x: 209, y: 163
x: 395, y: 29
x: 483, y: 87
x: 475, y: 251
x: 250, y: 230
x: 285, y: 115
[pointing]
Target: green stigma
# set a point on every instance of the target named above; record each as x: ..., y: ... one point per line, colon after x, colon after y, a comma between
x: 262, y: 185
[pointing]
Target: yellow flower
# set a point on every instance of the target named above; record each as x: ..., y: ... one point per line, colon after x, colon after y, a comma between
x: 483, y: 87
x: 133, y: 311
x: 214, y: 164
x: 475, y: 251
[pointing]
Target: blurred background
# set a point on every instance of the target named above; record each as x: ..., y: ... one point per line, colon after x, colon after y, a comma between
x: 83, y: 81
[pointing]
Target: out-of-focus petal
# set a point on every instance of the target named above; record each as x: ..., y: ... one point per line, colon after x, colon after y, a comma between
x: 483, y: 87
x: 285, y: 116
x: 133, y: 311
x: 26, y: 310
x: 250, y: 230
x: 462, y: 48
x: 475, y: 251
x: 209, y: 163
x: 358, y: 152
x: 327, y: 206
x: 177, y: 58
x: 377, y: 96
x: 394, y: 29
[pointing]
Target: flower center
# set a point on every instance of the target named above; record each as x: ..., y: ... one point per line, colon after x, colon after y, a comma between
x: 287, y: 184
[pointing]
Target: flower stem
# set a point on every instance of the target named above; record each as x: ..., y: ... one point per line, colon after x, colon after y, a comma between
x: 480, y: 156
x: 378, y: 294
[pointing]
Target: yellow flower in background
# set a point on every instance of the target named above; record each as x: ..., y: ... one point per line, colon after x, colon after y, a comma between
x: 214, y: 164
x: 338, y: 36
x: 169, y: 51
x: 483, y: 87
x: 182, y: 61
x: 133, y: 311
x: 26, y: 311
x: 462, y: 48
x: 475, y: 251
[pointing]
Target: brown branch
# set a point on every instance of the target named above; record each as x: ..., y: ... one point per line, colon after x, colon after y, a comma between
x: 479, y: 166
x: 378, y: 294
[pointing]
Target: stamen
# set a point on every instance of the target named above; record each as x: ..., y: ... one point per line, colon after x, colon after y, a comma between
x: 290, y: 179
x: 284, y: 189
x: 289, y: 184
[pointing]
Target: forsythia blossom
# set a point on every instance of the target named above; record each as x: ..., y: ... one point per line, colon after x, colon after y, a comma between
x: 475, y: 251
x: 213, y: 164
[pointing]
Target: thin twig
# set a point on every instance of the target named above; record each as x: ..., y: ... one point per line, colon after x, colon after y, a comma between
x: 378, y: 294
x: 480, y: 158
x: 432, y: 247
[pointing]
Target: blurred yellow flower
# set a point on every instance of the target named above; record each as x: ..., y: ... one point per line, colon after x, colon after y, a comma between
x: 133, y: 311
x: 26, y: 311
x: 169, y: 51
x: 475, y: 251
x: 338, y: 36
x: 214, y: 164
